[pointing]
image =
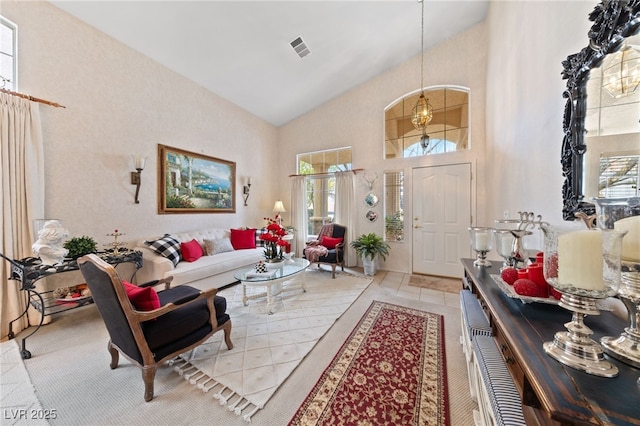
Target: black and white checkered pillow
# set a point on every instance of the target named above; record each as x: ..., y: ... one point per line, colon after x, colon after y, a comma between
x: 259, y: 241
x: 166, y: 246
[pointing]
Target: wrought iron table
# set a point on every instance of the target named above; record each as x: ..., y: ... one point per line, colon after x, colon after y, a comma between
x: 31, y: 269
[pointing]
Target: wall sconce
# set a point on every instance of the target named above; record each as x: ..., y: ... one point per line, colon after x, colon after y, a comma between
x: 136, y: 179
x: 245, y: 190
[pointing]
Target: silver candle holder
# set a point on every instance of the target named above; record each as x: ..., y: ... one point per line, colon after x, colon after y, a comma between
x: 516, y: 256
x: 567, y: 262
x: 626, y: 347
x: 622, y: 213
x: 481, y: 243
x: 504, y: 247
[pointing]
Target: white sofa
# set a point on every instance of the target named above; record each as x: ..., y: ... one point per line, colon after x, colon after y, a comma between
x: 206, y: 272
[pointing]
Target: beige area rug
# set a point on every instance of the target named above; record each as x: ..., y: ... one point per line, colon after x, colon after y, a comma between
x: 267, y: 348
x: 18, y: 402
x: 449, y: 285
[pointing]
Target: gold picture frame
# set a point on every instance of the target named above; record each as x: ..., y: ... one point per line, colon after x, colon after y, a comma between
x: 194, y: 183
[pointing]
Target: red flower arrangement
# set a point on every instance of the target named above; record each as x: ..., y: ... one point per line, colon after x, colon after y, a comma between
x: 273, y: 240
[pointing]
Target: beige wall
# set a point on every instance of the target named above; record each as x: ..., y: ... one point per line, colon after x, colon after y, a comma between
x: 118, y: 103
x: 356, y: 119
x: 512, y: 64
x: 527, y: 43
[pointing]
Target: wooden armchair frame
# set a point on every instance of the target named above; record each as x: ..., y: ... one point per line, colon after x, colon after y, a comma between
x: 132, y: 342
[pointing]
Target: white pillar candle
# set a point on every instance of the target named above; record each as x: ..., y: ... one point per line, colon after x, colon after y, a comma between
x: 482, y: 242
x: 580, y: 259
x: 631, y: 241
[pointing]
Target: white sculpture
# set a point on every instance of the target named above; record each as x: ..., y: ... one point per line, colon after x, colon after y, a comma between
x: 48, y: 247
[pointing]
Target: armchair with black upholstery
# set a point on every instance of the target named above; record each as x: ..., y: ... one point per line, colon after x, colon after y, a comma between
x: 328, y: 248
x: 160, y: 327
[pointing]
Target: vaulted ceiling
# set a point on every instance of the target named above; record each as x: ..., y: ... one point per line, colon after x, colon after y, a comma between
x: 241, y: 50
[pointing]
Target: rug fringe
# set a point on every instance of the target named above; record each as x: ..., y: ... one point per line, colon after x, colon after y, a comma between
x: 221, y: 397
x: 183, y: 369
x: 193, y: 365
x: 247, y: 417
x: 240, y: 406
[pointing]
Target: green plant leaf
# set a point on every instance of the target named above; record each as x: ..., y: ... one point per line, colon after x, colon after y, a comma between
x: 371, y: 245
x: 79, y: 246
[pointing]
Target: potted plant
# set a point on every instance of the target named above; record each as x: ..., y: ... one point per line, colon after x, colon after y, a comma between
x: 368, y: 247
x: 273, y: 242
x: 79, y: 246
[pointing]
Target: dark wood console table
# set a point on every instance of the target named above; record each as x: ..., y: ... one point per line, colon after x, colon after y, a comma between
x: 29, y: 270
x: 551, y: 392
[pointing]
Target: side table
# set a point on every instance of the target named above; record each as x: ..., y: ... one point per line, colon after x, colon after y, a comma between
x: 30, y: 269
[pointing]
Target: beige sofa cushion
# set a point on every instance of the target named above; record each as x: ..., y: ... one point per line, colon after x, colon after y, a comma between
x: 208, y: 266
x: 210, y: 271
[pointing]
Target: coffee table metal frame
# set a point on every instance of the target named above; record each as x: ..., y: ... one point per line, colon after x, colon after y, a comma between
x: 273, y: 284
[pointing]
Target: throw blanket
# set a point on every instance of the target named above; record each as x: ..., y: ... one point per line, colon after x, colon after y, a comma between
x: 325, y: 231
x: 314, y: 250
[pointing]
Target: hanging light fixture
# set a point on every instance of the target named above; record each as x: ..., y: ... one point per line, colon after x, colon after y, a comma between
x: 423, y: 111
x: 621, y: 72
x: 424, y: 140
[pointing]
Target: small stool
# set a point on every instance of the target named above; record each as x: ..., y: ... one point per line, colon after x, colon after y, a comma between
x: 498, y: 398
x: 474, y: 323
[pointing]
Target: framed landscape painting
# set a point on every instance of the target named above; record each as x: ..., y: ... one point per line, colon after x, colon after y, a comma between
x: 194, y: 183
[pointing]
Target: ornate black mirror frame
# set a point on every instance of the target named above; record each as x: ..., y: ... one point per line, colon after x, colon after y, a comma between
x: 613, y: 21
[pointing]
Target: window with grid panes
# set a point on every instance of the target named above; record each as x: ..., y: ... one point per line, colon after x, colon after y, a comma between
x: 394, y: 205
x: 8, y: 54
x: 619, y: 176
x: 321, y: 184
x: 448, y: 130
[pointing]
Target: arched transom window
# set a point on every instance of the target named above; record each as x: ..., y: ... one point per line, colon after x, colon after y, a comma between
x: 448, y: 130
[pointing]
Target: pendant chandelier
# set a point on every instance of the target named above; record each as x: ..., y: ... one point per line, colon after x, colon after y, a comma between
x: 423, y: 111
x: 621, y: 73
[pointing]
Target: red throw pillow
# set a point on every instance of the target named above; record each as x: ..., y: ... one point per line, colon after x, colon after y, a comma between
x: 142, y: 298
x: 191, y: 251
x: 243, y: 239
x: 329, y: 242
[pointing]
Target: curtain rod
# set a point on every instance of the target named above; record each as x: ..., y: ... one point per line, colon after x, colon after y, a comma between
x: 31, y: 98
x: 329, y: 173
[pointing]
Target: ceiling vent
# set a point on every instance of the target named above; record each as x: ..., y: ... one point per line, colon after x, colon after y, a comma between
x: 300, y: 47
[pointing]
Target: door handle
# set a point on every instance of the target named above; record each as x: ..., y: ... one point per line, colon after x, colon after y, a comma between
x: 417, y: 226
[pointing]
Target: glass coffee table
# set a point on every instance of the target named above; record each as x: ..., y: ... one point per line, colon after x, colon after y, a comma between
x: 275, y: 280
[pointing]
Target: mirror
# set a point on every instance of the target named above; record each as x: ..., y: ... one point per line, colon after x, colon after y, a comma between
x: 394, y: 205
x: 371, y: 216
x: 371, y: 199
x: 614, y: 21
x: 611, y: 124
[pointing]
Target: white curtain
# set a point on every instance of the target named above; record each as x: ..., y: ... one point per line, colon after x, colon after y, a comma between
x: 299, y: 212
x: 345, y: 212
x: 22, y: 201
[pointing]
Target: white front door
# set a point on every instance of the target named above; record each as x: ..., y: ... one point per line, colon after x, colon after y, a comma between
x: 441, y: 218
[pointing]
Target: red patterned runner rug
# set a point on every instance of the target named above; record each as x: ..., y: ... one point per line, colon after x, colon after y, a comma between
x: 390, y: 371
